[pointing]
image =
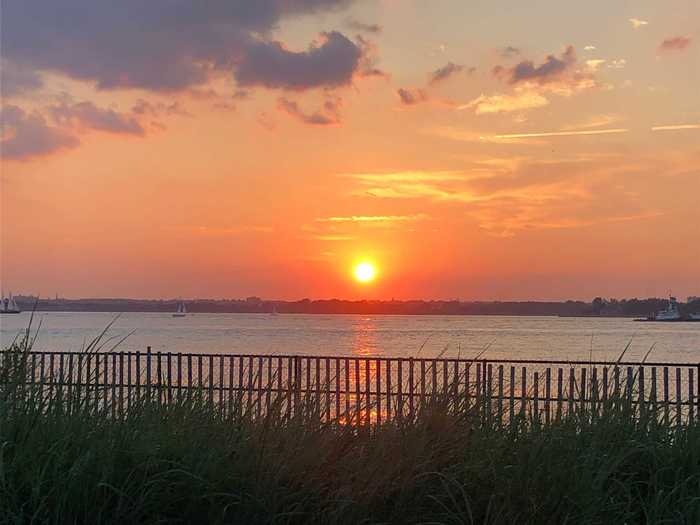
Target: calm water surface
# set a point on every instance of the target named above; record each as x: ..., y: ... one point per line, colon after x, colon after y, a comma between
x: 425, y: 336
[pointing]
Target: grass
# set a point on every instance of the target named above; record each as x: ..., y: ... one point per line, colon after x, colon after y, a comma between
x: 185, y: 463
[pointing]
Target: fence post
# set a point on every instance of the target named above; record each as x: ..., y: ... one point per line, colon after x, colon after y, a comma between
x: 297, y: 384
x: 410, y: 388
x: 148, y: 373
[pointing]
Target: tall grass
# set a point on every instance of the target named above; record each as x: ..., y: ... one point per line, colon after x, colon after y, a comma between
x: 63, y: 460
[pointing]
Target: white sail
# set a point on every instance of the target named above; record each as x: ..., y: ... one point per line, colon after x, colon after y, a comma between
x: 181, y: 310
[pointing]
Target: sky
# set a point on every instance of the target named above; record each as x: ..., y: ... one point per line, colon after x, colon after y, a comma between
x: 469, y: 150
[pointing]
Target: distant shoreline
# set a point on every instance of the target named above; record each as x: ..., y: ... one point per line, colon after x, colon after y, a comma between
x: 599, y: 308
x: 336, y: 313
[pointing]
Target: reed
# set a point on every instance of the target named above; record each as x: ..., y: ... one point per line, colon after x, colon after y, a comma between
x: 76, y: 456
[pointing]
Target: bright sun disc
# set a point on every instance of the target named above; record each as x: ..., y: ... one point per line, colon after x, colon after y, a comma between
x: 364, y: 272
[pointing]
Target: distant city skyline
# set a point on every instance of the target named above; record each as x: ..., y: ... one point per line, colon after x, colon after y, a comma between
x: 544, y: 151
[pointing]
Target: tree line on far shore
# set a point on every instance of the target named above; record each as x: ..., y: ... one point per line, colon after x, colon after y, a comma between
x: 597, y: 307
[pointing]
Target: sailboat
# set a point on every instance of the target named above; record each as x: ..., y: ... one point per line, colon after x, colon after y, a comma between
x: 9, y: 306
x: 181, y: 310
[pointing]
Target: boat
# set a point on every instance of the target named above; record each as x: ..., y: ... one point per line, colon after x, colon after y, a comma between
x: 669, y: 314
x: 693, y: 317
x: 9, y: 305
x: 181, y: 310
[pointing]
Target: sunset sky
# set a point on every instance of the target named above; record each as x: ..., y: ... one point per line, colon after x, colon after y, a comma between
x: 472, y: 150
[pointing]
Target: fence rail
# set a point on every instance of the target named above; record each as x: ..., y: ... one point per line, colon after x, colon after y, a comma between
x: 365, y: 389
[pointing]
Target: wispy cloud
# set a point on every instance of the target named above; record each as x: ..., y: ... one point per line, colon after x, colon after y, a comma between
x: 561, y: 133
x: 233, y: 231
x: 676, y: 43
x: 447, y: 71
x: 373, y: 218
x: 594, y: 121
x: 90, y: 116
x: 509, y: 52
x: 506, y: 103
x: 637, y: 23
x: 407, y: 176
x: 356, y: 25
x: 333, y: 238
x: 327, y: 115
x: 411, y: 97
x: 675, y: 127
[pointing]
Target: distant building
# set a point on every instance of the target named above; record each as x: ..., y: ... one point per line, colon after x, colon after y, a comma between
x: 692, y: 298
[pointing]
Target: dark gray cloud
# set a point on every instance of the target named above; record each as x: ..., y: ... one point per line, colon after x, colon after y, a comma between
x: 164, y: 44
x: 446, y: 72
x: 28, y: 135
x: 328, y: 115
x: 88, y: 115
x: 509, y: 52
x: 677, y: 43
x: 158, y: 109
x: 411, y: 97
x: 356, y: 25
x: 330, y: 63
x: 553, y: 68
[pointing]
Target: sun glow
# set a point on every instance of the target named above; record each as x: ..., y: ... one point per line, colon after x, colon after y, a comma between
x: 365, y: 272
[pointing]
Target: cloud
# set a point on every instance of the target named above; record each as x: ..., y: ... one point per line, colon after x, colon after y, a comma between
x: 265, y: 120
x: 509, y: 52
x: 333, y: 238
x: 157, y: 109
x: 368, y: 59
x: 328, y: 115
x: 18, y: 79
x: 506, y: 103
x: 675, y: 127
x: 521, y: 194
x: 561, y: 75
x: 355, y: 25
x: 411, y: 97
x: 330, y: 63
x: 553, y: 68
x: 374, y: 218
x: 637, y: 23
x: 569, y: 133
x: 28, y: 135
x: 594, y: 121
x: 88, y: 115
x: 677, y: 43
x: 163, y: 45
x: 446, y: 72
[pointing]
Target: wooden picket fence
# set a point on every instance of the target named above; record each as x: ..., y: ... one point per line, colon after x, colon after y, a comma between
x: 365, y: 389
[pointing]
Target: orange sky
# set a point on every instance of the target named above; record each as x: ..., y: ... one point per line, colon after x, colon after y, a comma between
x: 474, y: 152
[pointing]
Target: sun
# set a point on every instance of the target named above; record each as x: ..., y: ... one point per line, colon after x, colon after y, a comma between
x: 365, y: 272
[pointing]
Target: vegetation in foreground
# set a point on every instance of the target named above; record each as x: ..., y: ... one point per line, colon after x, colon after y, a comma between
x: 184, y: 463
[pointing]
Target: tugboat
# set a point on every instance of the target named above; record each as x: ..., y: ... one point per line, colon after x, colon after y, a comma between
x: 670, y: 314
x: 9, y: 306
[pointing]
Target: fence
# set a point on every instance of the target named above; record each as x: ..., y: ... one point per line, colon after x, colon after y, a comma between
x: 365, y: 389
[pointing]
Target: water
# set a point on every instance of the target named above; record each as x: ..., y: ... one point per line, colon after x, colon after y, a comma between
x: 396, y: 336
